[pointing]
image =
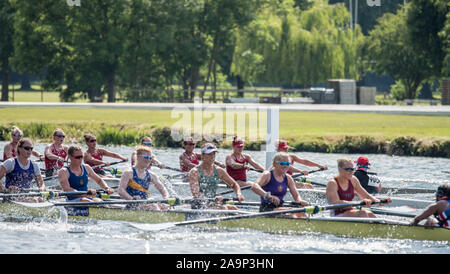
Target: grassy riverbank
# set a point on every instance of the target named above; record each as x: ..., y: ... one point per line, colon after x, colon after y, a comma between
x: 306, y: 131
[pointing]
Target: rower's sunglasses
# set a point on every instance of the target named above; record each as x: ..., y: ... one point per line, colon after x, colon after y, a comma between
x: 16, y: 135
x: 348, y: 168
x: 146, y: 157
x: 78, y: 157
x: 147, y: 144
x: 189, y: 143
x: 60, y: 136
x: 93, y: 140
x: 28, y: 148
x: 284, y: 163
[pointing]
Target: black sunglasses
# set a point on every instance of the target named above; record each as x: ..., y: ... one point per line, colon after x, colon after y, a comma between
x: 28, y: 148
x: 60, y: 136
x: 348, y: 169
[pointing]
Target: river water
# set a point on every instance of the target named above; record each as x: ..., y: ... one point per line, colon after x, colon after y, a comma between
x: 21, y: 235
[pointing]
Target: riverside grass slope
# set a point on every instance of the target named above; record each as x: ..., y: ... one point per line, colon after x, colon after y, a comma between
x: 306, y: 131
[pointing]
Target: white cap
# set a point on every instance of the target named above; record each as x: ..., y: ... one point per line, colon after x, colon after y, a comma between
x: 208, y: 148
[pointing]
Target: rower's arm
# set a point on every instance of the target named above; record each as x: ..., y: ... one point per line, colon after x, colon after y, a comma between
x: 40, y: 182
x: 91, y: 160
x: 332, y: 195
x: 126, y: 176
x: 49, y: 154
x: 253, y: 163
x: 232, y: 163
x: 94, y: 176
x: 294, y: 192
x: 306, y: 162
x: 8, y: 151
x: 224, y: 176
x: 63, y: 178
x: 112, y: 154
x: 159, y: 186
x: 361, y: 191
x: 185, y: 162
x: 194, y: 176
x: 430, y: 210
x: 37, y: 155
x: 2, y: 174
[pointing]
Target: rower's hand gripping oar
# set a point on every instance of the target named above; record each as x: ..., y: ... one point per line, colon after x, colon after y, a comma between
x: 309, y: 209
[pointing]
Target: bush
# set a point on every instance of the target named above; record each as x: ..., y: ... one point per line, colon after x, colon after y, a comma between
x: 398, y: 91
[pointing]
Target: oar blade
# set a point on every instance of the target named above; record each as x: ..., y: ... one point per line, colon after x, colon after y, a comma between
x: 152, y: 227
x: 34, y: 205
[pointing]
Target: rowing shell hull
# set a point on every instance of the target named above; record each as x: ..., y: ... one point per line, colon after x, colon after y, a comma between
x: 349, y: 227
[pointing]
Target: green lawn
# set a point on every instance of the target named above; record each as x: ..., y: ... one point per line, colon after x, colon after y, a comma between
x: 293, y: 125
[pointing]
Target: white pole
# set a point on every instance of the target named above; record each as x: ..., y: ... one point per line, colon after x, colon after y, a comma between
x: 273, y: 126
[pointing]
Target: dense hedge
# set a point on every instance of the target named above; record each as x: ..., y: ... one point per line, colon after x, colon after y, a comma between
x: 119, y: 135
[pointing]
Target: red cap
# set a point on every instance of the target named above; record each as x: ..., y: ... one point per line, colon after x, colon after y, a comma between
x: 363, y: 162
x: 283, y: 145
x: 238, y: 143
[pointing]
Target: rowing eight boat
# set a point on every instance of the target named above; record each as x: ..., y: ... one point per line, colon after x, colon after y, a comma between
x: 350, y: 227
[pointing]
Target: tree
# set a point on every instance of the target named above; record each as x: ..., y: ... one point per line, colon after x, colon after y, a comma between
x: 390, y: 48
x: 426, y: 19
x: 6, y: 44
x: 286, y: 45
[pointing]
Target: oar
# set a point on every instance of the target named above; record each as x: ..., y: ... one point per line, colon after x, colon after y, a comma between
x: 388, y: 212
x: 45, y: 194
x: 231, y: 191
x: 304, y: 180
x: 309, y: 172
x: 170, y: 201
x: 110, y: 164
x: 309, y: 210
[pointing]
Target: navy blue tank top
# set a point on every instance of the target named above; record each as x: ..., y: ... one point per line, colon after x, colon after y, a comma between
x: 79, y: 183
x: 19, y: 177
x: 275, y: 188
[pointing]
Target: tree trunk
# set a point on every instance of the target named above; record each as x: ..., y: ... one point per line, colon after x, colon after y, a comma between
x: 5, y: 80
x: 111, y: 88
x: 25, y: 80
x: 240, y: 86
x: 214, y: 82
x: 195, y: 75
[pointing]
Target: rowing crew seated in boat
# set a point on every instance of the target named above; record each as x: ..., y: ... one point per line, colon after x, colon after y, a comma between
x: 342, y: 189
x: 135, y: 182
x: 238, y: 163
x: 437, y: 214
x: 94, y: 156
x: 147, y: 141
x: 275, y: 183
x: 20, y: 171
x: 9, y: 151
x: 189, y: 159
x: 75, y: 177
x: 55, y: 153
x: 282, y: 146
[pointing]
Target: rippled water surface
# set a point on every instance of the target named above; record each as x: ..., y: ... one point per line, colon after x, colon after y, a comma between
x: 21, y: 235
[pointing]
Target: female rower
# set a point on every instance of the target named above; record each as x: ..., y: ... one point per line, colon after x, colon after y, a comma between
x: 147, y: 141
x: 438, y: 213
x: 342, y: 189
x: 282, y: 146
x: 94, y: 156
x: 75, y: 177
x: 9, y: 151
x: 189, y: 159
x: 55, y: 153
x: 20, y: 171
x: 136, y: 181
x: 237, y: 163
x: 205, y: 178
x: 276, y: 182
